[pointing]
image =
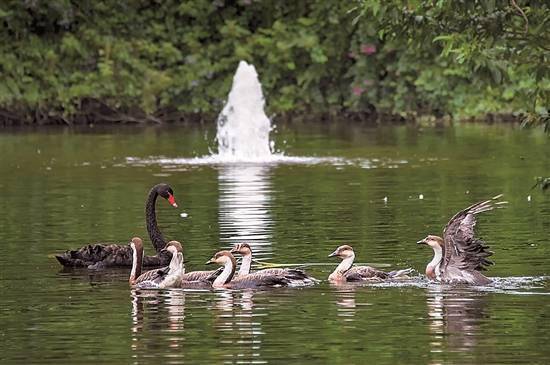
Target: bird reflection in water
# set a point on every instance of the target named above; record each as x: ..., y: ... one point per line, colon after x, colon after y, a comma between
x: 165, y: 314
x: 346, y: 305
x: 240, y: 331
x: 455, y: 317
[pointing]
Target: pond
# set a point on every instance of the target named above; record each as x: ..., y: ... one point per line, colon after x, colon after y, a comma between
x: 379, y: 189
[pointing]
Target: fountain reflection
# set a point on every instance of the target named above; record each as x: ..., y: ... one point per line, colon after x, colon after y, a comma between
x: 244, y: 206
x: 455, y: 317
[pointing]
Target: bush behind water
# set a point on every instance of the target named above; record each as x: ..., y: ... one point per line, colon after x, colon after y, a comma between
x: 145, y: 58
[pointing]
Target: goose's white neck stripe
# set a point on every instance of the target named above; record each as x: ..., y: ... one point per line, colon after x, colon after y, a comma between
x: 225, y: 275
x: 436, y: 260
x: 346, y: 264
x: 245, y: 264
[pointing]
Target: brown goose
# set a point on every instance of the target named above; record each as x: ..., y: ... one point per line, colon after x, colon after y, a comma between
x: 345, y: 272
x: 295, y: 276
x: 166, y: 277
x: 460, y: 256
x: 97, y: 256
x: 150, y: 278
x: 226, y: 279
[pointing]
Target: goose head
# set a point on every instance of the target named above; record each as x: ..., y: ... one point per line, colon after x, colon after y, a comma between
x: 242, y: 249
x: 343, y: 252
x: 434, y: 242
x: 167, y: 193
x: 222, y: 258
x: 172, y: 247
x: 137, y: 244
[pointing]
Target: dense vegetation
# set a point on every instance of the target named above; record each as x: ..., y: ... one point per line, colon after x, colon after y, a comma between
x: 79, y: 61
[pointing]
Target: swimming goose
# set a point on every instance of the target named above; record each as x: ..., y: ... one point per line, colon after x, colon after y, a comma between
x: 227, y: 280
x: 459, y: 256
x: 296, y: 277
x: 166, y: 277
x: 345, y: 272
x: 99, y: 255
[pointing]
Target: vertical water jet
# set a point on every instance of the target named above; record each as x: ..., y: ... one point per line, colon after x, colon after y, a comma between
x: 243, y: 126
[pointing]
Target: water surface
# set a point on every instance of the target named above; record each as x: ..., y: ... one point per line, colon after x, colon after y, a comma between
x: 63, y: 188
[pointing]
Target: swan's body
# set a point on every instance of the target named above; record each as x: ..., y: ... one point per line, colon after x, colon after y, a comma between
x: 227, y: 280
x: 100, y: 255
x: 166, y: 277
x: 346, y: 272
x: 460, y: 256
x: 295, y: 277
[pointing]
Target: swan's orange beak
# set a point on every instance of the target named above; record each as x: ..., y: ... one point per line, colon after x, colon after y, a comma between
x: 172, y: 201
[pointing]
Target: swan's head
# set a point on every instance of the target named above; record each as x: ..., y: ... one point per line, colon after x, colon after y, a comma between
x: 343, y: 252
x: 432, y: 241
x: 242, y: 248
x: 222, y: 258
x: 136, y: 243
x: 167, y: 193
x: 173, y: 247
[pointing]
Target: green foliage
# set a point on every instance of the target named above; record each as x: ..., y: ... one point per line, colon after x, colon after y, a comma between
x: 406, y: 57
x: 464, y: 57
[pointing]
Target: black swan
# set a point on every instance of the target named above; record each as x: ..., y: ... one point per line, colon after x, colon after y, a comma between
x: 98, y: 255
x: 300, y: 277
x: 227, y: 280
x: 460, y: 256
x: 170, y: 276
x: 345, y: 272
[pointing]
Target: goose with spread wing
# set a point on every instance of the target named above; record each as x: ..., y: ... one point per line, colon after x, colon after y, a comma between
x: 460, y: 256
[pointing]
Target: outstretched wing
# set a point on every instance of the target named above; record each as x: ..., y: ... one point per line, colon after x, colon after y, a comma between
x: 462, y: 249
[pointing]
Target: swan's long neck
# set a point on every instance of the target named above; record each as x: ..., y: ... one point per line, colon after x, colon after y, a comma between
x: 137, y: 258
x: 151, y: 218
x: 432, y: 269
x: 226, y: 275
x: 245, y: 264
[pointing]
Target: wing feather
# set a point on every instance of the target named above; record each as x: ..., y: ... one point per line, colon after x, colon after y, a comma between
x: 360, y: 273
x: 462, y: 248
x: 153, y: 276
x: 202, y: 275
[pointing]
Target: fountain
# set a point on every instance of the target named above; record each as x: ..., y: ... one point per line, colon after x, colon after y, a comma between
x: 243, y: 127
x: 243, y: 134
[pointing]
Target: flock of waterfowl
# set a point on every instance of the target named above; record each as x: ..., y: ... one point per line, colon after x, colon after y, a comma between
x: 458, y: 258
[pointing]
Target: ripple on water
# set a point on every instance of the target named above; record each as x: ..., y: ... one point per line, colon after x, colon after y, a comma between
x: 521, y: 285
x: 274, y: 159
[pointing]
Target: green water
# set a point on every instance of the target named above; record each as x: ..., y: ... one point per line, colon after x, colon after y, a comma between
x: 64, y: 188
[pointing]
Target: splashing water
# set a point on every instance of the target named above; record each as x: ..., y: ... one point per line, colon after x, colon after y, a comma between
x: 243, y: 126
